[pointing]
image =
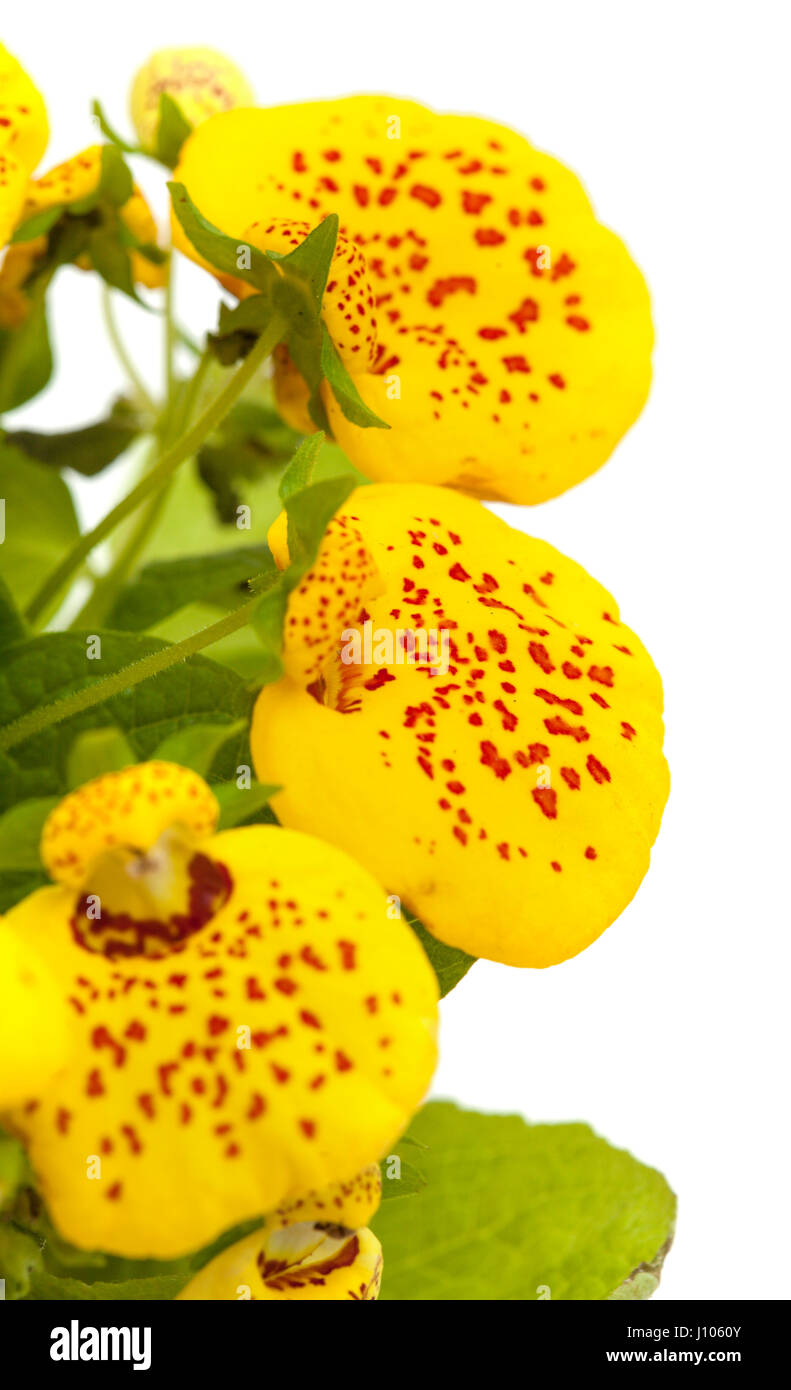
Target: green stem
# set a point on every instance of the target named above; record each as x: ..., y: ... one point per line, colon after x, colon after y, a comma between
x: 47, y: 596
x: 170, y: 340
x: 106, y: 587
x: 99, y: 691
x: 121, y: 353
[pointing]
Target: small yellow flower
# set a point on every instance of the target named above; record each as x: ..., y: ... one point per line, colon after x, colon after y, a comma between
x: 77, y: 178
x: 246, y: 1024
x: 317, y: 1247
x: 200, y: 81
x: 24, y: 133
x: 510, y: 799
x: 511, y: 331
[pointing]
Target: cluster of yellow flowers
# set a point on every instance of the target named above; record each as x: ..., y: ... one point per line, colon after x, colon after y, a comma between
x: 236, y: 1023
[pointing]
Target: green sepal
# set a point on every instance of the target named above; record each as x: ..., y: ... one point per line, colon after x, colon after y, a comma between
x: 173, y: 129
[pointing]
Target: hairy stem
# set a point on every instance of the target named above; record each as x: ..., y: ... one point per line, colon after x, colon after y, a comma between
x: 119, y: 348
x: 45, y: 600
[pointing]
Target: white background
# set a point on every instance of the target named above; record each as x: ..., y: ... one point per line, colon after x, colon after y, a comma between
x: 670, y: 1034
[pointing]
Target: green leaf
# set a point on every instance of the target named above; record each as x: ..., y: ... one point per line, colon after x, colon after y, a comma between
x: 40, y: 522
x: 95, y: 752
x: 87, y: 450
x: 221, y: 251
x: 20, y: 835
x: 54, y: 1287
x: 513, y: 1211
x: 18, y: 884
x: 299, y: 473
x: 172, y: 130
x: 309, y: 263
x: 400, y: 1179
x: 109, y: 133
x: 116, y: 184
x: 166, y: 586
x: 12, y: 624
x: 450, y: 964
x: 13, y: 1170
x: 238, y: 327
x: 20, y: 1260
x: 55, y: 664
x: 223, y: 466
x: 239, y: 804
x: 38, y: 225
x: 25, y: 355
x: 344, y: 389
x: 197, y: 746
x: 111, y: 260
x: 309, y: 512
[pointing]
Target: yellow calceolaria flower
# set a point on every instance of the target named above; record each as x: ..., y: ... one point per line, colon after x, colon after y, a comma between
x: 77, y: 178
x: 508, y: 783
x: 199, y: 80
x: 245, y: 1023
x: 24, y: 134
x: 318, y: 1247
x: 512, y: 331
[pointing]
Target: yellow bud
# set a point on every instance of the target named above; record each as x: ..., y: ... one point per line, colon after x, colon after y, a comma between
x: 200, y: 81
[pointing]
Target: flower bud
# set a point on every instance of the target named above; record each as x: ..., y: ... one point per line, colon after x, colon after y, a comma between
x: 200, y: 81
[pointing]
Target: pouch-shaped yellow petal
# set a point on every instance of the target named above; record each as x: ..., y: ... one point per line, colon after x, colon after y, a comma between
x: 200, y: 81
x: 508, y: 783
x: 272, y: 1037
x: 329, y: 598
x: 513, y: 330
x: 128, y: 809
x: 351, y: 1204
x: 306, y: 1261
x: 23, y: 138
x: 34, y: 1036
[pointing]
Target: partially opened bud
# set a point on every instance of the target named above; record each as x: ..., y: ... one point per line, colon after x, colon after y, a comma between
x: 200, y: 81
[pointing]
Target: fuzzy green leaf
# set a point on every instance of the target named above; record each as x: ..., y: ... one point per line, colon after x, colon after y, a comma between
x: 52, y: 665
x: 40, y: 522
x: 299, y: 473
x: 166, y: 586
x: 519, y: 1212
